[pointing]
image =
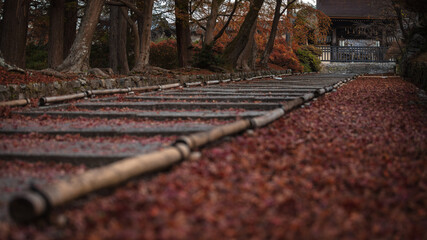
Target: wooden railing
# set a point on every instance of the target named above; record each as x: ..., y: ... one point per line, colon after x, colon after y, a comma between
x: 354, y: 54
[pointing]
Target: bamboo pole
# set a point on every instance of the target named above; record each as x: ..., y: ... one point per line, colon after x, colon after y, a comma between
x: 167, y: 86
x: 308, y: 96
x: 212, y: 82
x: 193, y: 84
x: 288, y: 106
x: 13, y: 103
x: 65, y: 190
x: 148, y: 88
x: 320, y: 91
x: 45, y: 100
x: 197, y: 140
x: 328, y: 89
x: 108, y: 91
x: 267, y: 118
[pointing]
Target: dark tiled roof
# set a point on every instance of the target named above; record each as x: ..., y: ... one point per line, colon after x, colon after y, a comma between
x: 351, y: 8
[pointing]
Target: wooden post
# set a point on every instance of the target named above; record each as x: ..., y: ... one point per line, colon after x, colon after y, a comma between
x: 334, y: 44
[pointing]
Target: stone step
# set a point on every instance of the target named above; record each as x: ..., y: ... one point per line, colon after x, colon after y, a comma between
x: 178, y: 105
x: 160, y: 115
x: 255, y: 89
x: 106, y: 131
x: 247, y: 94
x: 210, y: 98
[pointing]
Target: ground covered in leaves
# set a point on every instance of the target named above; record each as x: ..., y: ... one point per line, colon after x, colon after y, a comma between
x: 34, y: 76
x: 8, y: 77
x: 350, y: 166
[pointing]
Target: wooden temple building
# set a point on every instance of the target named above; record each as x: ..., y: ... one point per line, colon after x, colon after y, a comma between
x: 358, y: 32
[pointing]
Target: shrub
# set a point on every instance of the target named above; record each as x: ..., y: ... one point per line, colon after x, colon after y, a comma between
x: 36, y: 56
x: 206, y: 58
x: 309, y: 58
x: 285, y: 57
x: 314, y: 50
x: 164, y: 54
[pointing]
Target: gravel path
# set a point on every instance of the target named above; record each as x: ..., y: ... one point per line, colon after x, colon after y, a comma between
x: 350, y: 166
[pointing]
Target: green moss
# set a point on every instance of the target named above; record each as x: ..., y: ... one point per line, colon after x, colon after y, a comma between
x: 309, y: 58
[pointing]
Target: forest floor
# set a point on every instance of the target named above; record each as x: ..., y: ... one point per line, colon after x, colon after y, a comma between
x: 352, y: 165
x: 34, y: 76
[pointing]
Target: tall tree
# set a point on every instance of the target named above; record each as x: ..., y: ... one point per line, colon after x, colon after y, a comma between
x: 142, y: 30
x: 117, y: 41
x: 78, y: 59
x: 145, y: 19
x: 56, y: 33
x: 183, y: 37
x: 227, y: 23
x: 211, y: 22
x: 273, y: 32
x: 238, y: 44
x: 247, y: 58
x: 14, y: 31
x: 70, y: 24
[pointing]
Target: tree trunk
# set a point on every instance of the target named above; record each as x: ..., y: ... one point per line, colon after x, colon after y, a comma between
x: 135, y: 31
x: 78, y: 59
x: 291, y: 15
x: 14, y: 31
x: 230, y: 17
x: 270, y: 43
x: 183, y: 37
x: 211, y: 22
x: 70, y: 24
x: 112, y: 39
x: 247, y: 58
x: 144, y: 23
x: 238, y: 44
x: 117, y: 41
x: 56, y: 33
x: 121, y: 42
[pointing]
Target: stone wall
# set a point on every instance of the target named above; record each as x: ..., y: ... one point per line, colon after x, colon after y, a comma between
x: 38, y: 90
x: 358, y: 68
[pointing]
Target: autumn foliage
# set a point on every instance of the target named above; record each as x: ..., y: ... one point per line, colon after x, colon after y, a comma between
x: 164, y: 54
x: 284, y: 56
x: 350, y: 166
x: 311, y: 26
x: 9, y: 77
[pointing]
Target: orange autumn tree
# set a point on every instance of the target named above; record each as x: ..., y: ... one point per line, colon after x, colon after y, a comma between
x: 311, y: 26
x: 232, y: 27
x: 307, y: 22
x: 282, y: 54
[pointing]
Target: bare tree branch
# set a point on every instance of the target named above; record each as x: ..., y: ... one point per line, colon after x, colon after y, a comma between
x: 287, y: 6
x: 221, y: 32
x: 198, y: 23
x: 115, y: 3
x: 133, y: 7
